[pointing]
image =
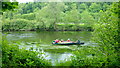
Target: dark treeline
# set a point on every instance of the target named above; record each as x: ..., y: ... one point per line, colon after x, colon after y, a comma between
x: 54, y: 16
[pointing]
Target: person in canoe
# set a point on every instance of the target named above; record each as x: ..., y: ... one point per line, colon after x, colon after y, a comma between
x: 56, y: 41
x: 69, y: 41
x: 62, y: 40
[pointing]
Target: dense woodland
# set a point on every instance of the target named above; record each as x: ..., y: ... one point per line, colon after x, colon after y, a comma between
x: 102, y: 17
x: 54, y: 16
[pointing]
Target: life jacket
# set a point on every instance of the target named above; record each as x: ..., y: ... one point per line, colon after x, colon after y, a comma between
x: 57, y: 41
x: 62, y: 41
x: 68, y: 40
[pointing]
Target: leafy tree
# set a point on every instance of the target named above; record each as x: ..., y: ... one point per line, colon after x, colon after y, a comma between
x: 73, y: 15
x: 30, y: 16
x: 95, y: 7
x: 106, y: 34
x: 104, y: 6
x: 69, y: 6
x: 82, y: 7
x: 30, y: 7
x: 52, y: 12
x: 9, y: 5
x: 41, y: 18
x: 86, y: 18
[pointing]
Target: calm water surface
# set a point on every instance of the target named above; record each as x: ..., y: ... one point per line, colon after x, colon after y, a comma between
x: 41, y: 41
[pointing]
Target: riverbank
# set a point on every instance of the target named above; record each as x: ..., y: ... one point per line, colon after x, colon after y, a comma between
x: 26, y: 25
x: 41, y: 29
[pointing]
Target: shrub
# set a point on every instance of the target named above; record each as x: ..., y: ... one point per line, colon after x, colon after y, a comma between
x: 13, y: 56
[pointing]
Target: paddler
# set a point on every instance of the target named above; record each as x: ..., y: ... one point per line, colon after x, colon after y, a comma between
x: 68, y: 40
x: 62, y: 40
x: 56, y: 41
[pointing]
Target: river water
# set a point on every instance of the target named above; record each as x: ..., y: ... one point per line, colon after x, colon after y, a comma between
x: 41, y: 41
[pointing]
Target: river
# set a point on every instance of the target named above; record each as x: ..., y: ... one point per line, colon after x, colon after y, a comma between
x: 42, y: 40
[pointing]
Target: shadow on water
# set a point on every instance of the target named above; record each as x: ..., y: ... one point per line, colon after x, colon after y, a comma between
x: 41, y: 41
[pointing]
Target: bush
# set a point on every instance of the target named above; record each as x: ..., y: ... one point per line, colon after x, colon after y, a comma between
x: 93, y: 56
x: 18, y: 24
x: 13, y: 56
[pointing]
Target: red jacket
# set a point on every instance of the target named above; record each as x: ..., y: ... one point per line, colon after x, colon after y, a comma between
x: 68, y: 40
x: 57, y: 41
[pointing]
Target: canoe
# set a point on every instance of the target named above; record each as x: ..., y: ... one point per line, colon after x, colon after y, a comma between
x: 68, y: 43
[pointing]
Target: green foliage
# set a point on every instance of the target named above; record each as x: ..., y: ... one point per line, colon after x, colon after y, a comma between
x: 47, y: 15
x: 63, y: 63
x: 9, y: 5
x: 103, y: 17
x: 30, y: 7
x: 7, y: 14
x: 106, y: 32
x: 82, y: 7
x: 72, y: 16
x: 13, y: 56
x: 30, y: 16
x: 18, y: 24
x: 106, y: 35
x: 87, y: 19
x: 0, y: 49
x: 93, y: 56
x: 95, y: 7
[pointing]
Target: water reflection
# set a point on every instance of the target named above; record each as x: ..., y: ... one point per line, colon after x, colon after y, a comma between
x: 47, y: 36
x: 58, y: 57
x: 54, y: 57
